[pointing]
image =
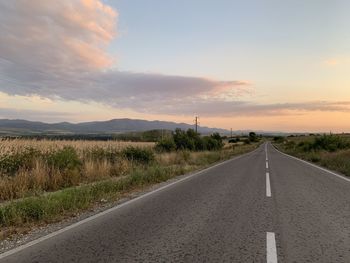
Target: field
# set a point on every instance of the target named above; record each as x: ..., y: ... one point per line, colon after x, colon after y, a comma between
x: 29, y: 167
x: 330, y: 151
x: 43, y: 181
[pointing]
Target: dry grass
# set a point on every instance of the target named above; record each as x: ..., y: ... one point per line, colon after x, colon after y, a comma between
x: 18, y: 145
x: 26, y: 167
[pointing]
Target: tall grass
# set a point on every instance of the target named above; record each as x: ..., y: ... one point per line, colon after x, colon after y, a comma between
x: 30, y: 167
x: 10, y: 146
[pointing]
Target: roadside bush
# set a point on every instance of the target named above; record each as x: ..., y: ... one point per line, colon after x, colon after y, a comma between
x: 64, y: 159
x: 196, y: 139
x: 279, y: 139
x: 305, y: 146
x: 246, y: 141
x: 142, y: 155
x: 216, y: 136
x: 290, y: 145
x: 234, y: 140
x: 10, y: 164
x: 253, y: 137
x: 166, y: 145
x: 211, y: 144
x: 183, y: 141
x: 328, y: 143
x: 100, y: 154
x: 190, y: 140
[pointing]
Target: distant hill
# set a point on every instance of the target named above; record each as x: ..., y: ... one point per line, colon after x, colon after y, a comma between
x: 24, y: 127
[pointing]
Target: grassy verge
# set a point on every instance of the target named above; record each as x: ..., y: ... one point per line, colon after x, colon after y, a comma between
x: 22, y: 214
x: 330, y: 151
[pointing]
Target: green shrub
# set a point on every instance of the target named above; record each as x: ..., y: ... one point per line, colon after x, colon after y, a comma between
x: 305, y: 146
x: 199, y: 144
x: 210, y: 143
x: 183, y: 140
x: 10, y: 164
x: 64, y: 159
x: 166, y: 145
x: 328, y: 143
x: 246, y: 141
x: 315, y: 158
x: 142, y: 155
x: 100, y: 154
x: 233, y: 140
x: 253, y: 137
x: 219, y: 144
x: 278, y: 139
x: 290, y: 145
x: 196, y: 140
x: 192, y: 141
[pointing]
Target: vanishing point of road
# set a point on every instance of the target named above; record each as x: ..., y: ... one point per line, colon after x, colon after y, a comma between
x: 263, y: 206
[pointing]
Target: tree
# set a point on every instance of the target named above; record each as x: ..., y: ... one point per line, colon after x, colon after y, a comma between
x: 183, y: 141
x: 253, y: 137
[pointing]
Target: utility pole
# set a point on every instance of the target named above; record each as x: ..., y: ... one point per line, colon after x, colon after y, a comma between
x: 196, y: 123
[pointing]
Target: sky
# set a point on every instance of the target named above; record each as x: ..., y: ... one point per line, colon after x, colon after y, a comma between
x: 258, y: 65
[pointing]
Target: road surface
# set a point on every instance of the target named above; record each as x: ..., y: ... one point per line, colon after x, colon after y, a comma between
x: 261, y: 207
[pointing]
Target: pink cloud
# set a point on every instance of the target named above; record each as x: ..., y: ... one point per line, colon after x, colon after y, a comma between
x: 58, y: 49
x: 64, y: 33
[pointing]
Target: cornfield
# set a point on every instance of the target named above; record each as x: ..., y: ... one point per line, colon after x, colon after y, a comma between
x: 18, y: 145
x: 30, y: 167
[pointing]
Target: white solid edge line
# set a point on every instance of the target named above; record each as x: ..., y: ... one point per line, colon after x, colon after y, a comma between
x: 60, y: 231
x: 268, y: 186
x: 271, y: 249
x: 314, y: 165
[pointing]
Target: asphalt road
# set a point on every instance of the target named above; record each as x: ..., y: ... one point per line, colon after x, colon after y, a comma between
x: 261, y: 207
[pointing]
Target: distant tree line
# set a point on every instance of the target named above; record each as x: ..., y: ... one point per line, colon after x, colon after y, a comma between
x: 141, y: 136
x: 70, y: 137
x: 252, y: 137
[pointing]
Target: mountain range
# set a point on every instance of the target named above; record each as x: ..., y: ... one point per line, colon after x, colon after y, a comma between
x: 20, y: 127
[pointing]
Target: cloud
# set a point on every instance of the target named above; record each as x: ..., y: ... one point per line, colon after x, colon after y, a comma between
x: 56, y: 36
x: 204, y: 108
x: 35, y: 115
x: 57, y: 49
x: 214, y: 108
